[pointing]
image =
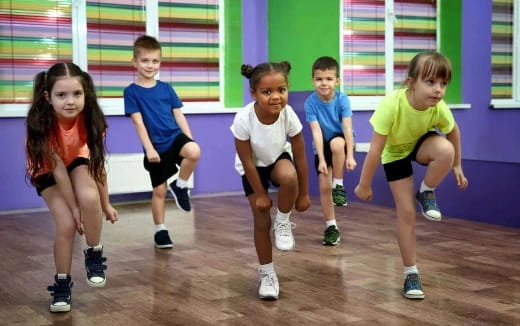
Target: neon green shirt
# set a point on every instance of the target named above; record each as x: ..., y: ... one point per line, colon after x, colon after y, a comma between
x: 404, y: 125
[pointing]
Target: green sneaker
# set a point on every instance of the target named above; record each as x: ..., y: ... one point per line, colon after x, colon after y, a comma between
x: 331, y: 236
x: 338, y: 196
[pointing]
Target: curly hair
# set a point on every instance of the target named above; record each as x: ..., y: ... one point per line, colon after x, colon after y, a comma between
x: 254, y: 74
x: 41, y: 123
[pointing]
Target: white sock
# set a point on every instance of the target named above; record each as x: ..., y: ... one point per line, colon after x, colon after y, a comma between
x: 282, y: 216
x: 336, y: 182
x: 331, y: 222
x: 181, y: 183
x: 62, y: 276
x: 424, y: 187
x: 97, y: 247
x: 410, y: 270
x: 266, y: 268
x: 160, y: 227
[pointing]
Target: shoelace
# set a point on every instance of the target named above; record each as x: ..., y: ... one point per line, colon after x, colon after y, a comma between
x: 429, y: 199
x: 269, y: 279
x: 283, y: 228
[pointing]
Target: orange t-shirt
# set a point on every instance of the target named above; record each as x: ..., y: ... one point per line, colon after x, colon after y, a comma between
x: 73, y: 142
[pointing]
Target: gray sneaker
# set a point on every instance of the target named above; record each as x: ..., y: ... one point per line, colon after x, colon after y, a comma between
x: 428, y: 205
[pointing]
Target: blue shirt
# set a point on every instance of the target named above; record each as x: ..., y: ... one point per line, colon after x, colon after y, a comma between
x: 155, y: 105
x: 328, y: 114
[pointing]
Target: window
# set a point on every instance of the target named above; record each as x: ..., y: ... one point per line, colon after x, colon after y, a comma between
x: 505, y: 61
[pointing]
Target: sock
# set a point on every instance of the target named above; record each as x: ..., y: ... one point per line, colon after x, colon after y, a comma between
x: 410, y: 270
x: 282, y: 216
x: 336, y: 182
x: 266, y: 268
x: 97, y: 247
x: 62, y: 276
x: 331, y: 222
x: 181, y: 183
x: 424, y: 187
x: 160, y: 227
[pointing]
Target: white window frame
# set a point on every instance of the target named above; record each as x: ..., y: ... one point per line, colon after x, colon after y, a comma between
x: 115, y: 106
x: 514, y: 102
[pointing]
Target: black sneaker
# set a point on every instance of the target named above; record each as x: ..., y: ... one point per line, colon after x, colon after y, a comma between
x: 412, y: 288
x: 162, y: 239
x: 61, y: 294
x: 331, y: 236
x: 182, y: 198
x: 94, y: 265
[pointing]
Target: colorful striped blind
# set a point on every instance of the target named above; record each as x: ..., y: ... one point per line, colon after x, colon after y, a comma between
x: 189, y: 35
x: 33, y: 36
x: 364, y: 41
x: 502, y: 50
x: 415, y: 31
x: 112, y: 27
x: 364, y: 47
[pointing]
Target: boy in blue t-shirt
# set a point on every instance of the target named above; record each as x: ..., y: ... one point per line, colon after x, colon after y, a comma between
x: 154, y: 108
x: 329, y: 115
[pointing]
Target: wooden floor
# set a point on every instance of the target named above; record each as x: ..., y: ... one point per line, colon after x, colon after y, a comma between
x: 470, y: 271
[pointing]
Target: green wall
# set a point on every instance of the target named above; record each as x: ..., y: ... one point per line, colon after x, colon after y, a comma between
x: 232, y: 83
x: 301, y: 31
x: 450, y: 17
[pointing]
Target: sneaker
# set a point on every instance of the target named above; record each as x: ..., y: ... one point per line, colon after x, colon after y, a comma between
x: 283, y: 236
x: 162, y: 239
x: 338, y: 196
x: 412, y: 287
x: 94, y: 265
x: 269, y: 288
x: 182, y: 198
x: 428, y: 205
x: 61, y: 294
x: 331, y: 236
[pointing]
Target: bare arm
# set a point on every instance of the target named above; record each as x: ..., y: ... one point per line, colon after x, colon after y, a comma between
x: 364, y: 188
x: 108, y: 209
x: 62, y: 178
x: 245, y: 153
x: 454, y: 138
x: 142, y: 133
x: 300, y: 160
x: 350, y: 162
x: 182, y: 122
x: 317, y: 137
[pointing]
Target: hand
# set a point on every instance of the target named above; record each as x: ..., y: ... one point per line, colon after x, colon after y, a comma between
x: 322, y: 167
x: 76, y: 215
x: 263, y: 202
x: 302, y: 203
x: 461, y: 180
x: 363, y: 193
x: 153, y: 156
x: 111, y: 214
x: 350, y: 164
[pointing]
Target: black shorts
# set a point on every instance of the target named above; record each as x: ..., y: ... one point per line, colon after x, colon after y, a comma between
x: 402, y: 168
x: 162, y: 171
x: 327, y: 152
x: 265, y: 175
x: 47, y: 180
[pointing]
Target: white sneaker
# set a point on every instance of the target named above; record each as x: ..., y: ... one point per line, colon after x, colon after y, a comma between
x: 283, y: 236
x: 268, y: 289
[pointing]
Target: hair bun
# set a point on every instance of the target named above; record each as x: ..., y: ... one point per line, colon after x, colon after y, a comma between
x: 246, y: 70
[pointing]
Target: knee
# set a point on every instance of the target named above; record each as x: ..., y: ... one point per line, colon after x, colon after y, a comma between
x: 337, y: 145
x: 88, y: 198
x: 192, y: 151
x: 325, y: 185
x: 66, y: 229
x: 407, y: 216
x: 288, y: 178
x: 159, y: 192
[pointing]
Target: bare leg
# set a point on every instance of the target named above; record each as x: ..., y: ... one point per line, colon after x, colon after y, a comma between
x: 402, y: 190
x: 284, y: 173
x: 158, y: 204
x: 190, y: 153
x: 262, y: 238
x: 337, y: 147
x: 438, y: 153
x: 327, y: 205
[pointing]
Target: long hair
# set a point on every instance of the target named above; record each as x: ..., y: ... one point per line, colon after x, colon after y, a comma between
x: 42, y: 124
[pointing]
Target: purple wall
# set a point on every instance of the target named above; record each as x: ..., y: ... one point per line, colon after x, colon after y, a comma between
x: 489, y: 137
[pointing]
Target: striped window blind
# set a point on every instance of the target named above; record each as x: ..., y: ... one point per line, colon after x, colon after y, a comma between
x: 189, y: 35
x: 415, y: 31
x: 364, y: 47
x: 112, y: 27
x: 502, y: 50
x: 33, y: 36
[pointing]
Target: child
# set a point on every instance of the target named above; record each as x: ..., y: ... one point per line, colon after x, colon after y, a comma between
x: 330, y: 118
x: 405, y: 125
x: 65, y: 162
x: 264, y: 156
x: 164, y: 132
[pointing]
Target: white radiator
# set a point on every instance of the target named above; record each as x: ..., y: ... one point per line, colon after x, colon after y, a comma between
x: 126, y: 174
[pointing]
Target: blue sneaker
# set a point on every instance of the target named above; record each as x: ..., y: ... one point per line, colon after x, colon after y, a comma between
x: 94, y: 265
x: 61, y: 294
x: 428, y: 205
x: 412, y: 287
x: 182, y: 199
